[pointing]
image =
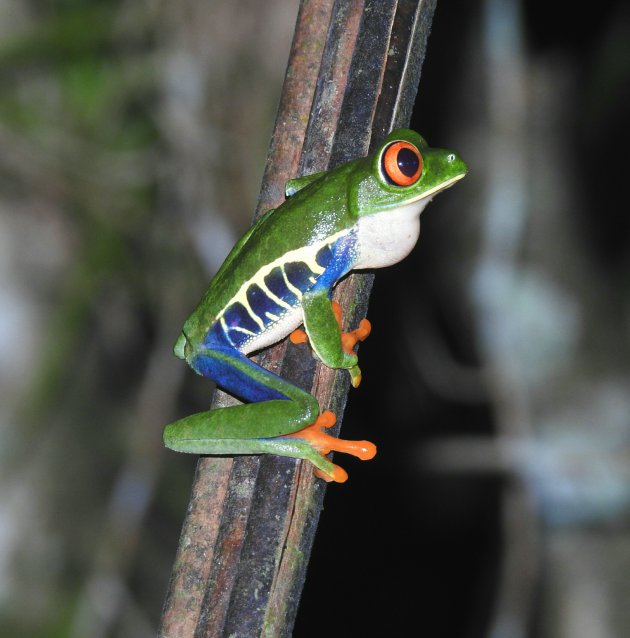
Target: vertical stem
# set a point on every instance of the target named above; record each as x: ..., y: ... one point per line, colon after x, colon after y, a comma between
x: 250, y: 526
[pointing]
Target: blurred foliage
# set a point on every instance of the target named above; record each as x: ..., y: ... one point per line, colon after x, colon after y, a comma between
x: 107, y: 242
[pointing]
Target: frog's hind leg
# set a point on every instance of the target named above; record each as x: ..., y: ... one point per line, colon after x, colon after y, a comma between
x: 276, y: 406
x: 282, y: 419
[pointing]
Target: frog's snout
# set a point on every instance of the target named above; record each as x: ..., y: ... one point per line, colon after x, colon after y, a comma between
x: 456, y: 164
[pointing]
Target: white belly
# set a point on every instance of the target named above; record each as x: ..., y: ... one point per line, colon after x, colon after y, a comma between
x: 382, y: 239
x: 279, y: 330
x: 387, y: 237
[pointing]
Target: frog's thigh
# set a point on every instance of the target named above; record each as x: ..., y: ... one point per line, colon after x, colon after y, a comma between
x: 278, y: 407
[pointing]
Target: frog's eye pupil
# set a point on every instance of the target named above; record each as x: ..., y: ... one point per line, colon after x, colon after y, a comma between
x: 401, y: 164
x: 408, y: 162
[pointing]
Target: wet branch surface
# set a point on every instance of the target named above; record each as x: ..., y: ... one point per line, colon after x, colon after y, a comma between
x: 352, y: 76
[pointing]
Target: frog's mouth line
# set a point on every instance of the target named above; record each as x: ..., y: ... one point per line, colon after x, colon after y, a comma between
x: 437, y: 189
x: 428, y: 194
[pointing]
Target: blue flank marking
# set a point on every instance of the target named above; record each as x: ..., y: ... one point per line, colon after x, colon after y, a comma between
x: 260, y: 303
x: 340, y: 258
x: 275, y: 282
x: 298, y: 274
x: 217, y: 338
x: 236, y: 316
x: 324, y: 256
x: 337, y: 259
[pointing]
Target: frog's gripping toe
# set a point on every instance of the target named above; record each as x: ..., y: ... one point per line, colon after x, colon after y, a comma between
x: 348, y: 340
x: 322, y: 443
x: 298, y: 336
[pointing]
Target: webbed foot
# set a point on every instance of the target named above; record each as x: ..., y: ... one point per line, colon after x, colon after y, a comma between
x: 324, y: 443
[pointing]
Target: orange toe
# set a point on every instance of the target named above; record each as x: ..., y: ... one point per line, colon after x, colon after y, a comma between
x: 326, y: 443
x: 364, y: 330
x: 350, y: 339
x: 298, y: 336
x: 339, y: 475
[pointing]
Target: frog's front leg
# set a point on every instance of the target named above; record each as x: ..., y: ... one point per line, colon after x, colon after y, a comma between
x: 282, y: 419
x: 322, y: 321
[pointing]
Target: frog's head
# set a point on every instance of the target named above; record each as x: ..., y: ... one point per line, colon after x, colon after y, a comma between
x: 404, y: 171
x: 389, y: 189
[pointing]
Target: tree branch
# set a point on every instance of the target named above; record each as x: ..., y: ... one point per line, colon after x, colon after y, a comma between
x: 352, y: 76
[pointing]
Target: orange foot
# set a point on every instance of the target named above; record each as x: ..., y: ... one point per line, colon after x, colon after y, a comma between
x: 348, y: 339
x: 325, y: 443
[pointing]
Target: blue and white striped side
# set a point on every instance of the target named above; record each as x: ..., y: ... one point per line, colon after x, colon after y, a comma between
x: 267, y: 307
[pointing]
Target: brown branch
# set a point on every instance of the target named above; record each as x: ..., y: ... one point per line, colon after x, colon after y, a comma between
x: 352, y: 76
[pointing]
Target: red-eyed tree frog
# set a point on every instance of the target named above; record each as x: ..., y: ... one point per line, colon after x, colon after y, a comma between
x: 280, y: 274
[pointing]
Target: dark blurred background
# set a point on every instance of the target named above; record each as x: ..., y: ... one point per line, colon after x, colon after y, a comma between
x: 133, y: 137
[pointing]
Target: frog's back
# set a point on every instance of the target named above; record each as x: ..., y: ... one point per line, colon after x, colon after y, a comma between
x: 254, y: 296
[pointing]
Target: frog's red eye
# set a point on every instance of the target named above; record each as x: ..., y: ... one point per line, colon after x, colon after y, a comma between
x: 402, y: 164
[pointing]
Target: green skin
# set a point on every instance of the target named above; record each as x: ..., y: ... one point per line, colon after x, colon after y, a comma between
x: 355, y: 197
